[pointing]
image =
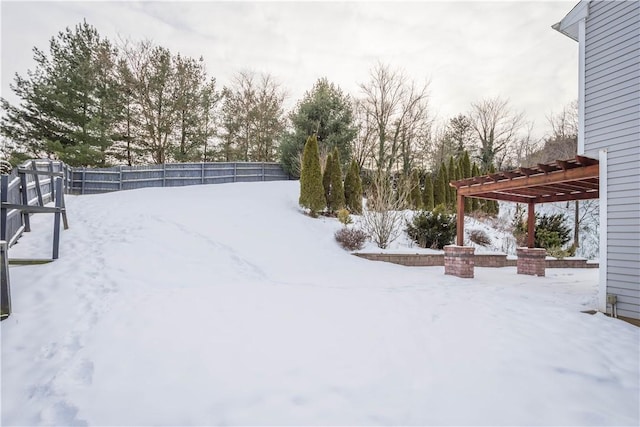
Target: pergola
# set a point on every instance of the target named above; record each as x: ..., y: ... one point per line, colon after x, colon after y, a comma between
x: 559, y: 181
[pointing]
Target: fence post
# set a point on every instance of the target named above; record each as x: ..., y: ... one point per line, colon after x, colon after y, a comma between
x: 5, y: 289
x: 202, y: 172
x: 120, y: 183
x: 263, y: 177
x: 235, y: 171
x: 56, y: 219
x: 25, y: 201
x: 84, y: 177
x: 4, y: 190
x: 52, y: 193
x: 164, y: 175
x: 36, y: 177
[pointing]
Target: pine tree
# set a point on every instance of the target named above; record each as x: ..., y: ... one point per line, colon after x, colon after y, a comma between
x: 415, y: 194
x: 311, y: 189
x: 475, y: 203
x: 337, y: 200
x: 353, y: 189
x: 326, y: 179
x: 427, y: 194
x: 439, y: 189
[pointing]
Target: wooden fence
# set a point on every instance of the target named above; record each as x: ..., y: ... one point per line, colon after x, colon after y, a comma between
x: 91, y: 181
x: 39, y: 191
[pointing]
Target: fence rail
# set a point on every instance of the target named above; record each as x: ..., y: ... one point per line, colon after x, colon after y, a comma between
x: 39, y: 191
x: 91, y: 181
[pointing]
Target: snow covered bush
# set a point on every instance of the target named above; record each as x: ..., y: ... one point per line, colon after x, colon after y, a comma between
x: 432, y: 230
x: 479, y: 237
x: 351, y: 239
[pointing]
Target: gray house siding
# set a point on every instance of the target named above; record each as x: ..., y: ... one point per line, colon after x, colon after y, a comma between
x: 612, y: 122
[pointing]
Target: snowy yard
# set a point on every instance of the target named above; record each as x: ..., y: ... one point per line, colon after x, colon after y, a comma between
x: 223, y: 304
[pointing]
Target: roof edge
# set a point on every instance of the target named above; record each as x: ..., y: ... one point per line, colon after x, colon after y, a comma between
x: 569, y: 24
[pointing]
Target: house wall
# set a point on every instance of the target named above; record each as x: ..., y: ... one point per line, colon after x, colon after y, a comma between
x: 612, y: 123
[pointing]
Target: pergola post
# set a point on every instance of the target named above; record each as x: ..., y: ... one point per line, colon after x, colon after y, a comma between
x: 531, y: 225
x: 460, y: 220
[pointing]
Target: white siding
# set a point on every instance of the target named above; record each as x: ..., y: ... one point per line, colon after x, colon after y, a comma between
x: 612, y: 122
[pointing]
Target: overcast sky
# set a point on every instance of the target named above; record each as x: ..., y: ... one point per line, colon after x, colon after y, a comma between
x: 467, y: 50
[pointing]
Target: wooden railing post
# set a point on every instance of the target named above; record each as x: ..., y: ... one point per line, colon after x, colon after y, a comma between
x: 25, y: 200
x: 4, y: 190
x: 56, y: 219
x: 5, y: 289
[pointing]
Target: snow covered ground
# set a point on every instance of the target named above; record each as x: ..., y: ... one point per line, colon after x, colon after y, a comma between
x: 223, y: 304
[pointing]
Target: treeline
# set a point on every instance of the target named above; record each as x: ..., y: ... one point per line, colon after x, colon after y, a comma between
x: 91, y: 102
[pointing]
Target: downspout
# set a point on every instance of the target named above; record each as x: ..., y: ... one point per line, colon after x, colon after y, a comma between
x: 602, y: 284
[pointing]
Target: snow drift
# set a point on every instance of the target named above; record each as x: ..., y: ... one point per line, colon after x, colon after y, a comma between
x: 223, y: 304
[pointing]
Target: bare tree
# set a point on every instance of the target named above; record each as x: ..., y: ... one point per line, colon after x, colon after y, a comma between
x: 496, y: 127
x: 253, y: 117
x: 398, y: 110
x: 383, y: 217
x: 364, y: 143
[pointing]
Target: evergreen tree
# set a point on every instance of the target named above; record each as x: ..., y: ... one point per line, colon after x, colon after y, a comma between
x: 475, y: 203
x: 311, y: 189
x: 427, y: 194
x: 465, y: 171
x: 439, y: 189
x: 336, y: 199
x: 327, y: 112
x: 415, y: 194
x: 353, y: 189
x: 326, y: 179
x: 70, y: 103
x: 492, y: 207
x: 453, y: 176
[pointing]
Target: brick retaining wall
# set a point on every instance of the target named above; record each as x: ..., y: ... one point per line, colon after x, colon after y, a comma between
x: 481, y: 260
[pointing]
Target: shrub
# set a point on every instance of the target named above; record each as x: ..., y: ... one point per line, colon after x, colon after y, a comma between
x: 351, y: 239
x: 558, y: 252
x: 383, y: 218
x: 479, y: 237
x: 550, y: 231
x: 344, y: 217
x: 432, y: 229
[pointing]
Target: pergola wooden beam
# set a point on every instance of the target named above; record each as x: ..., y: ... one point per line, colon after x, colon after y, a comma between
x: 535, y: 180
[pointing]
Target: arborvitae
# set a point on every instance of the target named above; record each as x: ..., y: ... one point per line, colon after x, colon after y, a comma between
x: 415, y: 194
x: 439, y: 189
x: 427, y: 194
x: 452, y: 177
x: 475, y: 203
x: 311, y: 189
x: 326, y: 179
x: 492, y: 206
x: 353, y: 189
x: 465, y: 170
x: 336, y: 198
x: 445, y: 178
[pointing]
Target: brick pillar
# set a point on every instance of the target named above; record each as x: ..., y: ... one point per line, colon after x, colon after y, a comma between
x: 459, y: 261
x: 531, y: 261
